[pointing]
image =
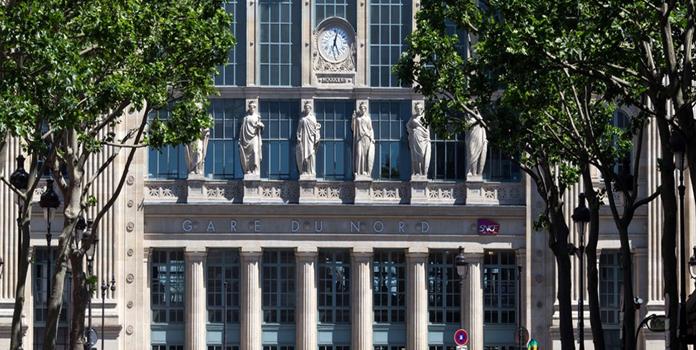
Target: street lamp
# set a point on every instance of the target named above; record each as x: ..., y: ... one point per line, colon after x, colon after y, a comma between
x: 461, y: 263
x: 223, y: 337
x: 581, y: 217
x: 677, y: 143
x: 90, y: 257
x: 20, y: 180
x: 49, y: 201
x: 112, y: 287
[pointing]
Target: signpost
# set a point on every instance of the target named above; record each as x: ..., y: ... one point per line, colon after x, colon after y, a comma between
x: 461, y: 339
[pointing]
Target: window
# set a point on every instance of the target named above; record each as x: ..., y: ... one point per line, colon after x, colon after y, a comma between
x: 233, y: 71
x: 334, y: 347
x: 443, y: 288
x: 500, y: 288
x: 610, y: 293
x: 279, y: 288
x: 447, y: 161
x: 335, y: 8
x: 167, y: 347
x: 500, y: 166
x: 334, y: 286
x: 218, y: 347
x: 389, y: 286
x: 278, y: 347
x: 621, y: 121
x: 169, y: 161
x: 389, y: 23
x: 167, y: 286
x: 391, y: 149
x: 39, y: 293
x: 442, y: 347
x: 223, y: 266
x: 223, y: 159
x: 334, y: 155
x: 280, y: 119
x: 462, y: 45
x: 279, y: 42
x: 390, y: 347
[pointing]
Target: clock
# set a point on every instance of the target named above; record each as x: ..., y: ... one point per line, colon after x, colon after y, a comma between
x: 334, y: 43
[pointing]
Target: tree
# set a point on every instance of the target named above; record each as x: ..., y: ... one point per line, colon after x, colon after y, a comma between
x: 71, y: 74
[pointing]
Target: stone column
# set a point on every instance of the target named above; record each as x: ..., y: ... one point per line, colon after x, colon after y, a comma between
x: 251, y: 301
x: 473, y: 300
x: 195, y: 301
x: 417, y: 315
x: 362, y: 316
x: 307, y: 312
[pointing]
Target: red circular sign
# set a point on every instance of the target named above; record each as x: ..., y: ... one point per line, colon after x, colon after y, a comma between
x: 461, y: 337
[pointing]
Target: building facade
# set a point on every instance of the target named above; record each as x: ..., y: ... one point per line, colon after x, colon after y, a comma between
x: 247, y: 236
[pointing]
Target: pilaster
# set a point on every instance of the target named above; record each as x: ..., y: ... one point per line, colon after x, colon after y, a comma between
x: 251, y: 301
x: 307, y: 312
x: 251, y: 38
x: 417, y: 315
x: 362, y: 316
x: 473, y: 300
x: 306, y: 28
x: 195, y: 301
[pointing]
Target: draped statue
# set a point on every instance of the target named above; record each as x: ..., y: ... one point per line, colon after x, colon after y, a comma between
x: 419, y: 142
x: 195, y: 152
x: 477, y: 145
x: 308, y: 138
x: 250, y: 141
x: 363, y: 142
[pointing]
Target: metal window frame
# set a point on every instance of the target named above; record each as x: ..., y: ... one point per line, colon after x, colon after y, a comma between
x: 446, y: 274
x: 383, y: 262
x: 338, y: 258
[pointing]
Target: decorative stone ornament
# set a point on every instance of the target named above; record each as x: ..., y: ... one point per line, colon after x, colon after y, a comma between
x: 334, y: 52
x: 250, y: 142
x: 308, y: 139
x: 419, y: 143
x: 477, y: 145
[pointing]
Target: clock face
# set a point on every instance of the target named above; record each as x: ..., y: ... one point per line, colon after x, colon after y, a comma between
x: 334, y: 44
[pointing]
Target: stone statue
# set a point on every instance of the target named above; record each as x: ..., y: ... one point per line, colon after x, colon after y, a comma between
x: 363, y: 142
x: 476, y: 150
x: 419, y: 142
x: 308, y: 138
x: 250, y: 141
x: 196, y: 151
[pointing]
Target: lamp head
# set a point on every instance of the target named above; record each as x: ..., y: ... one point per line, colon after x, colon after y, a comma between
x: 90, y: 252
x: 49, y: 200
x: 691, y: 264
x: 582, y: 215
x: 112, y: 284
x: 20, y: 177
x: 461, y: 263
x: 677, y: 143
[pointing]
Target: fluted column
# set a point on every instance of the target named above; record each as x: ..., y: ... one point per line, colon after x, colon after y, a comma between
x: 307, y: 312
x: 195, y: 301
x: 417, y: 316
x: 361, y: 301
x: 251, y: 301
x: 473, y: 300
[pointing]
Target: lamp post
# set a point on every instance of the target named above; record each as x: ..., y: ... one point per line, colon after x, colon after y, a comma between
x: 112, y: 287
x: 520, y: 308
x: 223, y: 340
x: 90, y: 257
x: 49, y: 201
x: 581, y: 217
x: 677, y: 144
x: 20, y: 180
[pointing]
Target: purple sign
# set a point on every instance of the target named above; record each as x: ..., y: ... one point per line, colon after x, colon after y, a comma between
x: 488, y: 227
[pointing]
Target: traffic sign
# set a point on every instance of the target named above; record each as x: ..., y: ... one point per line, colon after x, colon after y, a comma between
x: 461, y: 337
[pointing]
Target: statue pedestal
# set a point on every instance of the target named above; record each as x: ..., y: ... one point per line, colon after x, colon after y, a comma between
x: 196, y: 192
x: 363, y: 188
x: 477, y: 193
x: 251, y: 188
x: 307, y: 187
x: 419, y: 189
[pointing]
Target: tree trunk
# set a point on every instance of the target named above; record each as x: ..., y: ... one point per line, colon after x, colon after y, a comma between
x: 629, y: 310
x: 559, y: 229
x: 79, y: 303
x: 668, y: 238
x: 16, y: 333
x: 592, y: 261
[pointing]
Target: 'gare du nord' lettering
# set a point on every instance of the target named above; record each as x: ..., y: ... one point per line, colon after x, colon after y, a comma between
x: 317, y: 226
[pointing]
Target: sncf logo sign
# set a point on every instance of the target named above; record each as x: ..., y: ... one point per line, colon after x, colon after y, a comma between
x: 488, y: 227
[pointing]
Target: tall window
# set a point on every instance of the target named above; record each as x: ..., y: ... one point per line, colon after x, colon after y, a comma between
x: 167, y: 298
x: 233, y: 71
x: 40, y: 297
x: 448, y: 157
x: 334, y: 286
x: 223, y: 286
x: 621, y: 121
x: 390, y: 22
x: 610, y: 294
x: 389, y: 286
x: 500, y: 288
x: 280, y: 119
x: 334, y: 155
x: 391, y: 150
x: 169, y: 161
x: 279, y: 42
x: 279, y: 288
x: 222, y: 160
x: 500, y: 166
x: 443, y: 288
x: 335, y: 8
